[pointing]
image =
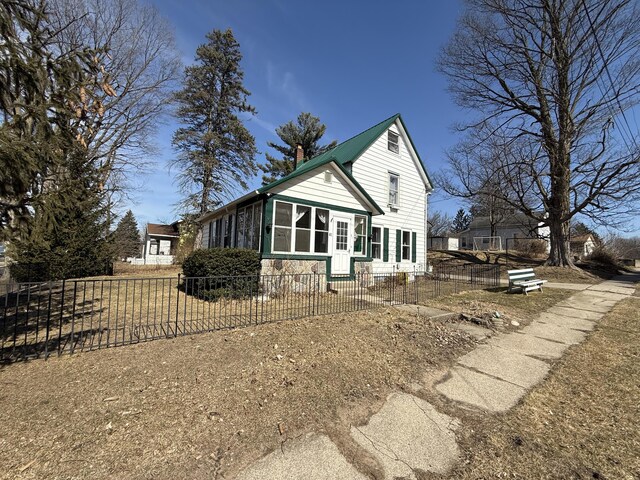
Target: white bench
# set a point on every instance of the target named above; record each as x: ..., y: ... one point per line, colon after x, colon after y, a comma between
x: 524, y: 279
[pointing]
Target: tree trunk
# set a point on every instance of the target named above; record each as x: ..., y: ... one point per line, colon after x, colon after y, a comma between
x: 560, y: 255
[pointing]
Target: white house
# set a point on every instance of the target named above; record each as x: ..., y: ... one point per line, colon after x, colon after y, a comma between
x: 510, y: 229
x: 360, y: 207
x: 582, y: 245
x: 159, y: 246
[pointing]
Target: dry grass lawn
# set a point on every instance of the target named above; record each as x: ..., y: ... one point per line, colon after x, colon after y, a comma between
x: 204, y: 406
x: 581, y: 423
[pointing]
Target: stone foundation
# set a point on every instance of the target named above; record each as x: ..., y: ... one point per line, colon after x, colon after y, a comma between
x: 364, y: 274
x: 283, y: 276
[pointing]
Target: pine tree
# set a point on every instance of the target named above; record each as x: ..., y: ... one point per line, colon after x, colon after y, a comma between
x: 216, y: 152
x: 44, y: 97
x: 307, y: 132
x: 65, y: 238
x: 461, y: 221
x: 126, y: 237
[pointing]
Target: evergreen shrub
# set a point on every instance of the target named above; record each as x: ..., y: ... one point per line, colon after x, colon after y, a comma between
x: 221, y: 272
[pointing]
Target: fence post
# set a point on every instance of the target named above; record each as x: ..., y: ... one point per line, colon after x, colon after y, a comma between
x: 46, y: 338
x: 309, y: 294
x: 73, y: 314
x: 404, y: 287
x: 64, y: 283
x: 314, y: 296
x: 175, y: 332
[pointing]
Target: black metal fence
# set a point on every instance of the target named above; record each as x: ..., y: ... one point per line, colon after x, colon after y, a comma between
x: 40, y: 319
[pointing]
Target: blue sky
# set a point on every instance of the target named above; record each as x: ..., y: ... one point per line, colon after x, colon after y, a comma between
x: 353, y: 64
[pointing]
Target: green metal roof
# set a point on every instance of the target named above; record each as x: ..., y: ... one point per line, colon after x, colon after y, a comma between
x: 348, y: 151
x: 351, y: 149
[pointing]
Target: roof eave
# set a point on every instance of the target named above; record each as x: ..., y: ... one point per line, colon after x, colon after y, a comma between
x: 225, y: 208
x: 429, y: 187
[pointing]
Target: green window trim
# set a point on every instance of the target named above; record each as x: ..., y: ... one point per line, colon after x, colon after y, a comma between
x: 398, y: 246
x: 311, y: 203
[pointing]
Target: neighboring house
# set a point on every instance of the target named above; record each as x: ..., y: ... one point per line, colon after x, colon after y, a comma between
x: 160, y: 244
x: 359, y: 207
x: 582, y: 245
x: 443, y: 243
x: 514, y: 227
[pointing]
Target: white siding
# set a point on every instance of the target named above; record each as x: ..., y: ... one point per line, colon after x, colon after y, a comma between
x: 312, y: 186
x: 371, y: 170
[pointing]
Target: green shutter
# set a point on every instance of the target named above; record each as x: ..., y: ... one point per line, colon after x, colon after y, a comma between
x: 413, y: 246
x: 398, y: 246
x: 385, y: 246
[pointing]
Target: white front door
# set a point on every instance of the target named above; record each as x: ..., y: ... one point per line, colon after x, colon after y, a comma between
x: 342, y: 244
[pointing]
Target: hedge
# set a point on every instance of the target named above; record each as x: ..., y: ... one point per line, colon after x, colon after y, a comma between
x: 221, y: 272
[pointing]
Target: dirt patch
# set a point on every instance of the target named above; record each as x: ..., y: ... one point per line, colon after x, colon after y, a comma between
x: 511, y: 307
x: 207, y: 405
x: 582, y: 422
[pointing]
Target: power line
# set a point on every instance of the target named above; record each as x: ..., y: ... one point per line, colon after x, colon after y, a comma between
x: 606, y: 69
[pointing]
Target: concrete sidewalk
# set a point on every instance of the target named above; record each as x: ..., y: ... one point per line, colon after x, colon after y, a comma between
x: 408, y: 434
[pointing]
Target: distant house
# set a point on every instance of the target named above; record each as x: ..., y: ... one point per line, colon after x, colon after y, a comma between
x: 360, y: 207
x: 509, y: 230
x: 582, y: 245
x: 443, y: 243
x: 160, y: 244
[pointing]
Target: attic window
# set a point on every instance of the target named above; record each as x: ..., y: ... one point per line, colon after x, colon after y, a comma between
x: 392, y: 142
x: 328, y: 176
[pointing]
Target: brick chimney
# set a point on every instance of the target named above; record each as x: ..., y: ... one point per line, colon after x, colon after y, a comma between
x: 299, y: 156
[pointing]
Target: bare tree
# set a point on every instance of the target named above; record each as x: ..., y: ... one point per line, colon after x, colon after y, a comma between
x: 474, y: 175
x: 551, y: 81
x: 623, y: 247
x: 438, y: 224
x: 135, y: 47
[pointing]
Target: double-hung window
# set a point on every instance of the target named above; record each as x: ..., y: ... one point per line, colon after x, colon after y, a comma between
x: 394, y: 189
x: 406, y: 245
x: 392, y: 142
x: 376, y: 242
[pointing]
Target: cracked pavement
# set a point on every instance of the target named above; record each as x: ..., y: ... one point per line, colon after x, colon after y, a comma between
x: 408, y: 434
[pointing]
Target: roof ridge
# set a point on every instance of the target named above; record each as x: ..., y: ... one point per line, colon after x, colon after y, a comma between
x: 358, y: 134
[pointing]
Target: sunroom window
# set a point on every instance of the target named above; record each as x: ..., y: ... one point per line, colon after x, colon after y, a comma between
x: 249, y: 218
x: 282, y: 228
x: 321, y: 231
x: 360, y: 246
x: 303, y: 228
